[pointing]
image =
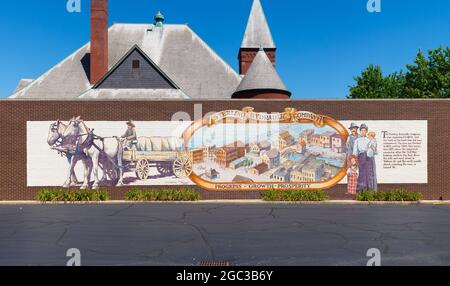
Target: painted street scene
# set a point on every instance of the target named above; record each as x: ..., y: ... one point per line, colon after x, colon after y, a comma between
x: 270, y: 153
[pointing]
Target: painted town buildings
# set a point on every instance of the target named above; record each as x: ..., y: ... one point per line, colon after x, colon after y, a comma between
x: 257, y: 148
x: 285, y: 140
x: 259, y: 169
x: 312, y: 171
x: 226, y: 155
x: 337, y: 144
x: 272, y: 158
x: 317, y: 155
x: 197, y: 156
x: 306, y: 136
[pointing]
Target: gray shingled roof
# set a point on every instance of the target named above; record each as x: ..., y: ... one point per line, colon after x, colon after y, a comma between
x: 176, y: 49
x: 22, y: 84
x: 272, y: 154
x: 258, y: 32
x: 154, y: 77
x: 142, y: 94
x: 282, y: 172
x: 261, y: 75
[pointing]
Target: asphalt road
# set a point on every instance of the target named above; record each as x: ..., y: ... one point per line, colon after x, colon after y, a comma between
x: 258, y: 234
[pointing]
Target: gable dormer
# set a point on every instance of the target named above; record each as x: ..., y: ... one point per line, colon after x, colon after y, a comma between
x: 135, y: 71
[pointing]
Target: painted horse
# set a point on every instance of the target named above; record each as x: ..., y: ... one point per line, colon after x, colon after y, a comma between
x: 66, y: 147
x: 104, y: 153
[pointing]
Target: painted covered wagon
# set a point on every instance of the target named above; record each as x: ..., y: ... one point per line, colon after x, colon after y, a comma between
x: 167, y: 154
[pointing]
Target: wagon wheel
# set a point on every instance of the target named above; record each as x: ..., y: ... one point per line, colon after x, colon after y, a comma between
x: 164, y: 169
x: 142, y: 169
x: 182, y: 167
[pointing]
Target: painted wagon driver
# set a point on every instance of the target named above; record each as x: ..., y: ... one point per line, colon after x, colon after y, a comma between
x: 130, y: 135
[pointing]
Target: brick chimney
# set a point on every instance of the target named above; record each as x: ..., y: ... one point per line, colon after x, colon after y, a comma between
x: 99, y: 39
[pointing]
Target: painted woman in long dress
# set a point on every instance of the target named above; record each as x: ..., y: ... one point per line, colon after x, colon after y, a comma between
x: 372, y: 151
x: 367, y: 174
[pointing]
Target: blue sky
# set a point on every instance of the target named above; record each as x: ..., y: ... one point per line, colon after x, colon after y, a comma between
x: 322, y: 44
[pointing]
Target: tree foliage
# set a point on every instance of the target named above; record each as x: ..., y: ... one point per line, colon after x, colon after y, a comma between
x: 427, y: 77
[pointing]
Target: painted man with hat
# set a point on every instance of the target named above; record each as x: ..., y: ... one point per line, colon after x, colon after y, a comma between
x: 366, y: 163
x: 130, y: 135
x: 351, y: 139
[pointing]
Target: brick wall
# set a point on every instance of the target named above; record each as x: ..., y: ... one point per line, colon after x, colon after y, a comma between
x: 247, y: 55
x: 15, y: 114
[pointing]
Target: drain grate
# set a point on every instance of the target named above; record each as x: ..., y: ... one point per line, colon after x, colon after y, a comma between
x: 214, y: 263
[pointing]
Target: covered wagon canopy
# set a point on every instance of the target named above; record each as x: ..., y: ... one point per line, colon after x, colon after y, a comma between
x: 160, y: 144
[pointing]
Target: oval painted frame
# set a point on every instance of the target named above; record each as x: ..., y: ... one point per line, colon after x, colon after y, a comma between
x: 247, y: 115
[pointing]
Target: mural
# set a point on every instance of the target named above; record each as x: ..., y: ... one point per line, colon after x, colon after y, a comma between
x: 230, y: 150
x: 114, y: 156
x: 245, y: 150
x: 361, y: 151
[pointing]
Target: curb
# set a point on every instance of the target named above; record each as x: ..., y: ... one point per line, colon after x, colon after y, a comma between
x: 230, y: 202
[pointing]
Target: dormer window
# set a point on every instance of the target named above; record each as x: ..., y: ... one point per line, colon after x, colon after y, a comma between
x: 136, y: 64
x: 136, y: 69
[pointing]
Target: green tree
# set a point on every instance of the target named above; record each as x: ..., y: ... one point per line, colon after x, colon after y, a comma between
x: 427, y: 77
x: 372, y: 84
x: 369, y: 84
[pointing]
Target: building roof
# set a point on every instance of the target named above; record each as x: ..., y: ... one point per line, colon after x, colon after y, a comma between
x: 160, y: 79
x: 288, y: 164
x: 261, y: 167
x: 313, y: 165
x: 272, y: 154
x: 282, y: 172
x: 138, y: 94
x: 176, y: 49
x: 257, y: 33
x: 227, y: 150
x: 242, y: 179
x: 305, y: 159
x: 264, y: 144
x: 22, y: 84
x: 307, y: 132
x: 107, y: 88
x: 237, y: 144
x: 328, y: 133
x: 262, y: 75
x: 285, y: 135
x: 240, y: 160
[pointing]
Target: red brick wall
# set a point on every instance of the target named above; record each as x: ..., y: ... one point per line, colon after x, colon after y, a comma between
x: 15, y: 114
x: 247, y: 55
